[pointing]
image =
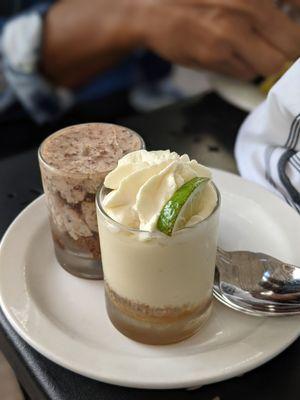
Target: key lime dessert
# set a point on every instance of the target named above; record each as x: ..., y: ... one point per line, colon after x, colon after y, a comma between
x: 158, y: 215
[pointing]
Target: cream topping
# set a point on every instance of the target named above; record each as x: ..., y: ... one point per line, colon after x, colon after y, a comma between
x: 144, y: 181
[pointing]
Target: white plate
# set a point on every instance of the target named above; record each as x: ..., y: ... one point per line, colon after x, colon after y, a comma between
x: 244, y: 95
x: 64, y: 317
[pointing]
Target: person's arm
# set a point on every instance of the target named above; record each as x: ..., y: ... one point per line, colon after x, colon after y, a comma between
x: 82, y: 39
x: 237, y: 37
x: 51, y: 48
x: 21, y: 78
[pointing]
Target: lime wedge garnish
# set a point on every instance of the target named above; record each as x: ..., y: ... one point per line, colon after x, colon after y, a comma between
x: 181, y: 207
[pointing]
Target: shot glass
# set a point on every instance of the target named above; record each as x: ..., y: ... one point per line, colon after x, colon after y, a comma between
x: 73, y: 163
x: 158, y: 288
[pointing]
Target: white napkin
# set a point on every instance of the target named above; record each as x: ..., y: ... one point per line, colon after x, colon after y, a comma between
x: 267, y: 149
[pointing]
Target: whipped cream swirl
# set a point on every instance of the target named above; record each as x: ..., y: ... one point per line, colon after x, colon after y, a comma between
x: 144, y: 181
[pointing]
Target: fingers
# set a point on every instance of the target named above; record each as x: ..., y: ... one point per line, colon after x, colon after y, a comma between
x: 249, y: 46
x: 222, y: 60
x: 279, y: 30
x: 235, y: 67
x: 232, y: 70
x: 238, y: 68
x: 269, y: 20
x: 220, y: 39
x: 261, y: 55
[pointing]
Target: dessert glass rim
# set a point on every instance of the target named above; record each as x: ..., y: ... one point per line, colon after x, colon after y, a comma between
x: 79, y: 174
x: 100, y: 193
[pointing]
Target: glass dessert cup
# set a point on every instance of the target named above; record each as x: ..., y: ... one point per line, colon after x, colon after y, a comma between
x: 70, y: 198
x: 158, y: 288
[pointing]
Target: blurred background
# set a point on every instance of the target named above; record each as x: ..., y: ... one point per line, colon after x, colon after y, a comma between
x: 63, y: 62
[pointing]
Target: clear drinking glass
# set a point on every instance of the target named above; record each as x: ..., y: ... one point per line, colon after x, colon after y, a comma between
x: 158, y: 288
x: 70, y: 196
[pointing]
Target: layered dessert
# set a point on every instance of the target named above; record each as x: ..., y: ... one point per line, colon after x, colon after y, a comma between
x: 158, y: 222
x: 74, y: 162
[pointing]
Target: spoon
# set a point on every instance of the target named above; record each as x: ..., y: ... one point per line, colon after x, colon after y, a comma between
x: 256, y: 283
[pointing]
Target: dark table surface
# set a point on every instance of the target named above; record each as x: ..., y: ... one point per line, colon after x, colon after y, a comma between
x: 204, y: 127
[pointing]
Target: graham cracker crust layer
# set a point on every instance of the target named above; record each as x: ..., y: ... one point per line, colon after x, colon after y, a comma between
x: 155, y: 325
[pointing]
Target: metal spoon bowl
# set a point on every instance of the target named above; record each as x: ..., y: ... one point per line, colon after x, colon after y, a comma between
x: 256, y: 283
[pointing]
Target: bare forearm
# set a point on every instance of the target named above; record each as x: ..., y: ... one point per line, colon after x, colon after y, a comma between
x: 236, y: 37
x: 85, y: 38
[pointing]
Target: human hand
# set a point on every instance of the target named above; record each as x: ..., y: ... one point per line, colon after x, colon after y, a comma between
x: 238, y: 37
